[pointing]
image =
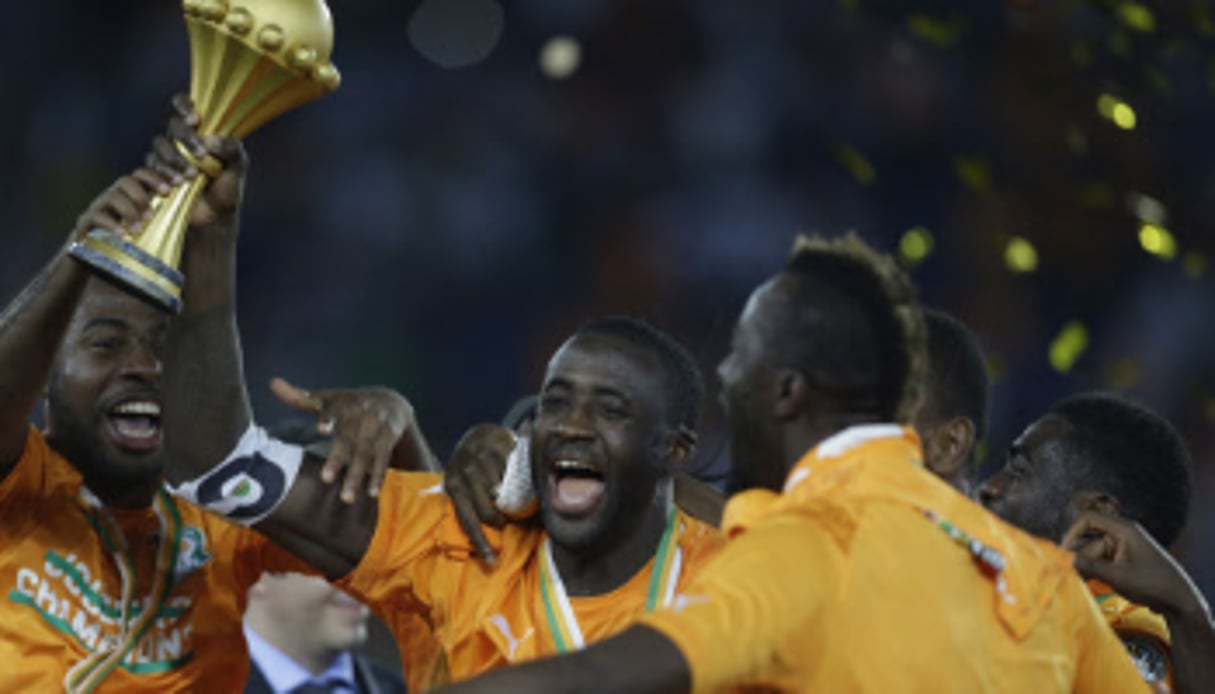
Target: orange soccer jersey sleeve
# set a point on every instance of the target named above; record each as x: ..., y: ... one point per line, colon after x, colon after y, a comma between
x: 1144, y: 633
x: 1102, y: 664
x: 252, y: 554
x: 415, y: 517
x: 731, y: 622
x: 416, y: 533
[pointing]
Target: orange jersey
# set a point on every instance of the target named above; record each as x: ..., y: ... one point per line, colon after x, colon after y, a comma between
x: 421, y: 570
x: 1145, y: 633
x: 62, y: 588
x: 870, y: 574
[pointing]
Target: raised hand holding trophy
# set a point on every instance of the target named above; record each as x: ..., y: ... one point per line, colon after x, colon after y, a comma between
x: 251, y: 61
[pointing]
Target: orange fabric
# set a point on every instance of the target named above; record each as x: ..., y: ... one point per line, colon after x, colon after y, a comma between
x: 1134, y: 622
x: 842, y: 584
x: 421, y: 568
x: 61, y: 586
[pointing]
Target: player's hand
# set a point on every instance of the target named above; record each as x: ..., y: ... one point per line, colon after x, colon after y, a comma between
x: 215, y: 212
x: 366, y: 424
x: 471, y: 480
x: 125, y: 206
x: 1122, y: 554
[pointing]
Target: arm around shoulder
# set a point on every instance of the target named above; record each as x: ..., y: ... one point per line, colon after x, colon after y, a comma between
x: 640, y: 660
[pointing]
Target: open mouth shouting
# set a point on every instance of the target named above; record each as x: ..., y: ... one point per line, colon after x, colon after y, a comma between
x: 134, y: 424
x: 575, y: 487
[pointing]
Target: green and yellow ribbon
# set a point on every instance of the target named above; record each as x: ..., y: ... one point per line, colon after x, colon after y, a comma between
x: 89, y: 673
x: 664, y: 576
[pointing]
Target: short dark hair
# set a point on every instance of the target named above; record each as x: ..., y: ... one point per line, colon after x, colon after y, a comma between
x: 957, y: 383
x: 1135, y: 455
x: 685, y: 386
x: 853, y: 327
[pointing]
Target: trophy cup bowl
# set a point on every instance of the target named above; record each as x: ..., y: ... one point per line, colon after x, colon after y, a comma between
x: 250, y: 61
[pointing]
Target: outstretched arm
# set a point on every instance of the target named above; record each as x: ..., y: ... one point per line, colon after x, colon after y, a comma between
x: 206, y: 403
x: 639, y: 660
x: 759, y: 597
x: 33, y: 325
x: 1122, y: 554
x: 207, y: 409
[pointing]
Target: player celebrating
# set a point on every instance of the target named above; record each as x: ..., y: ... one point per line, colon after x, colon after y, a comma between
x: 1107, y: 457
x: 840, y: 581
x: 616, y: 418
x: 108, y: 578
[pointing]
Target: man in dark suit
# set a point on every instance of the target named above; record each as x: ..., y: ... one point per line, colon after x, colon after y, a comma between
x: 301, y: 633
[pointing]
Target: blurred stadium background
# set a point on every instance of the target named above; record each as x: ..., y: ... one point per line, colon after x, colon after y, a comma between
x: 491, y: 174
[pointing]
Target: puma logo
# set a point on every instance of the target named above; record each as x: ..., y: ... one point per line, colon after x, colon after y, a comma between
x: 504, y: 627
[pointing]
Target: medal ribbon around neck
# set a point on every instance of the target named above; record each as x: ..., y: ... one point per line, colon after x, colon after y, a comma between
x: 562, y: 622
x: 86, y: 675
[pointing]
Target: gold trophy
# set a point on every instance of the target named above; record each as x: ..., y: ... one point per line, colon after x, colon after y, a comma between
x: 250, y: 61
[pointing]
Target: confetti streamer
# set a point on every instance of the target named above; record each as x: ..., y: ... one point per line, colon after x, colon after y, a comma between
x: 1077, y: 141
x: 997, y: 368
x: 1194, y: 264
x: 1096, y: 196
x: 1020, y: 255
x: 1122, y: 374
x: 1157, y: 240
x: 942, y: 33
x: 1147, y: 208
x: 856, y: 163
x: 1137, y: 17
x: 1067, y: 347
x: 560, y: 57
x: 974, y: 172
x: 915, y: 246
x: 1117, y: 111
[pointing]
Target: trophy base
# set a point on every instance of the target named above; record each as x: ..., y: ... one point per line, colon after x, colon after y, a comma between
x: 123, y: 262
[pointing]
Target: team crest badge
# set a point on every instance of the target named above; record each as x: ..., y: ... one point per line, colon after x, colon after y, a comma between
x: 191, y: 554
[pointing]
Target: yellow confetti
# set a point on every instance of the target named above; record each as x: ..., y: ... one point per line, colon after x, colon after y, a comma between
x: 1124, y: 117
x: 1077, y: 141
x: 1114, y: 109
x: 1097, y: 196
x: 1202, y: 19
x: 996, y: 368
x: 1020, y: 255
x: 1194, y: 264
x: 1123, y: 373
x: 1067, y: 347
x: 1136, y: 16
x: 1082, y: 54
x: 915, y: 246
x: 1147, y: 208
x: 1157, y: 79
x: 974, y: 172
x: 1157, y: 240
x: 1119, y: 44
x: 942, y: 33
x: 560, y: 57
x: 857, y: 164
